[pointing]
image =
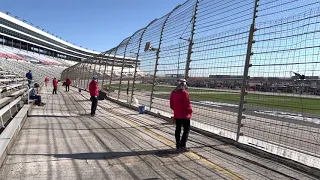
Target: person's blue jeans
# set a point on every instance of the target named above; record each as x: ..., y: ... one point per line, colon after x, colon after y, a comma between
x: 37, y: 98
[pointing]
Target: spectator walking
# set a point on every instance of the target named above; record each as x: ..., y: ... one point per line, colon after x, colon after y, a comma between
x: 29, y: 77
x: 94, y: 92
x: 55, y: 85
x: 68, y: 82
x: 46, y: 80
x: 181, y: 106
x: 34, y: 95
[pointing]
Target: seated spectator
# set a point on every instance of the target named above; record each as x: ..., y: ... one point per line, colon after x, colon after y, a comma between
x: 34, y: 95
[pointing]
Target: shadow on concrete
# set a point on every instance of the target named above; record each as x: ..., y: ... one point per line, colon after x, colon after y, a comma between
x: 166, y: 153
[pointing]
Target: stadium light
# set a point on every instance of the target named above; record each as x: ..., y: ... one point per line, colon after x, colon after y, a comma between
x: 24, y: 20
x: 8, y: 13
x: 17, y: 17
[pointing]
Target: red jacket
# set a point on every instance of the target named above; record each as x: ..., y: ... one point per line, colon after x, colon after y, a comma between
x: 180, y: 104
x: 68, y: 81
x: 93, y: 88
x: 46, y: 79
x: 54, y: 82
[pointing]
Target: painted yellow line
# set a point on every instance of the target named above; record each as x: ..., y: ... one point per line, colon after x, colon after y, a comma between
x: 190, y: 154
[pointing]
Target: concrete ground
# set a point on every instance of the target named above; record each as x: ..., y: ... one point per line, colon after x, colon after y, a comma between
x: 62, y: 141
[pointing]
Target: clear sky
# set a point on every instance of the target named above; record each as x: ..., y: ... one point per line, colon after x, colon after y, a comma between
x: 97, y: 24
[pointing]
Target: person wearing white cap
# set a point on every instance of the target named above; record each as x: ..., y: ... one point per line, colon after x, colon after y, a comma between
x: 94, y: 92
x: 181, y: 106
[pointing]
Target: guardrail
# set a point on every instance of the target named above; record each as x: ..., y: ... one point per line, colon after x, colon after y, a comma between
x: 12, y: 104
x: 8, y: 108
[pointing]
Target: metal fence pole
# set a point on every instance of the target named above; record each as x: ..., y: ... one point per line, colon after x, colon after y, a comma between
x: 194, y: 17
x: 105, y: 68
x: 246, y: 71
x: 81, y: 75
x: 158, y: 55
x: 103, y: 74
x: 112, y: 68
x: 137, y: 59
x: 123, y: 63
x: 98, y: 72
x: 78, y: 75
x: 89, y: 73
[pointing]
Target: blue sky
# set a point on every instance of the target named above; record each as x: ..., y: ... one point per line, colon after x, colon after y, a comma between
x: 97, y: 25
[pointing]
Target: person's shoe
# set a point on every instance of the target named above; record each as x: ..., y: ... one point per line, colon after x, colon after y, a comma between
x: 177, y: 147
x: 183, y: 149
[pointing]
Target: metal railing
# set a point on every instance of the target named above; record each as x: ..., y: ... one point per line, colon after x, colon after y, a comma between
x: 252, y: 70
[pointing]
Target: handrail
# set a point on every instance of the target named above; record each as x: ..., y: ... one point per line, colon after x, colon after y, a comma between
x: 8, y: 108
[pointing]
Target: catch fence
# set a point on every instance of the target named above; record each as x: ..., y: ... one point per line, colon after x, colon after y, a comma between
x: 251, y: 66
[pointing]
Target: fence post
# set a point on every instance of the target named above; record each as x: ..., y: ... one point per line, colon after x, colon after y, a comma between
x: 137, y: 59
x: 245, y: 72
x: 78, y: 75
x: 82, y: 74
x: 123, y: 63
x: 190, y: 40
x: 104, y: 71
x: 89, y: 73
x: 158, y: 56
x: 94, y: 63
x: 100, y: 60
x: 112, y: 68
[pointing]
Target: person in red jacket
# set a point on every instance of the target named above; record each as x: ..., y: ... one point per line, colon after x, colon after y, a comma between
x: 181, y: 106
x: 46, y: 80
x: 68, y: 82
x: 94, y: 92
x: 55, y: 85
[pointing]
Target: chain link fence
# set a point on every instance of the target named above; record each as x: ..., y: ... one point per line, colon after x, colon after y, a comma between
x: 251, y: 67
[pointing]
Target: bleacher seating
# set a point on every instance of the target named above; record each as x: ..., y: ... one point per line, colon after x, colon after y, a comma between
x: 14, y: 64
x: 12, y: 85
x: 14, y: 53
x: 21, y: 61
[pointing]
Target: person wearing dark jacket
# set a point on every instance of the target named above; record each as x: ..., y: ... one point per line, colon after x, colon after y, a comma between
x: 68, y: 82
x: 34, y: 95
x: 181, y: 106
x: 55, y: 86
x: 29, y: 77
x: 94, y: 92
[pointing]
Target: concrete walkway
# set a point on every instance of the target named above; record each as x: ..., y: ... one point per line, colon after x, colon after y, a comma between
x: 62, y: 141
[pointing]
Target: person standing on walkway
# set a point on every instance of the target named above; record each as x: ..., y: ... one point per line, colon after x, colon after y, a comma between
x: 181, y: 106
x: 68, y: 82
x: 29, y: 77
x: 55, y: 86
x: 46, y: 80
x: 94, y: 92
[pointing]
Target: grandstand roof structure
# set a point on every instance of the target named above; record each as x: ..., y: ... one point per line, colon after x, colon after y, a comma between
x: 17, y: 33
